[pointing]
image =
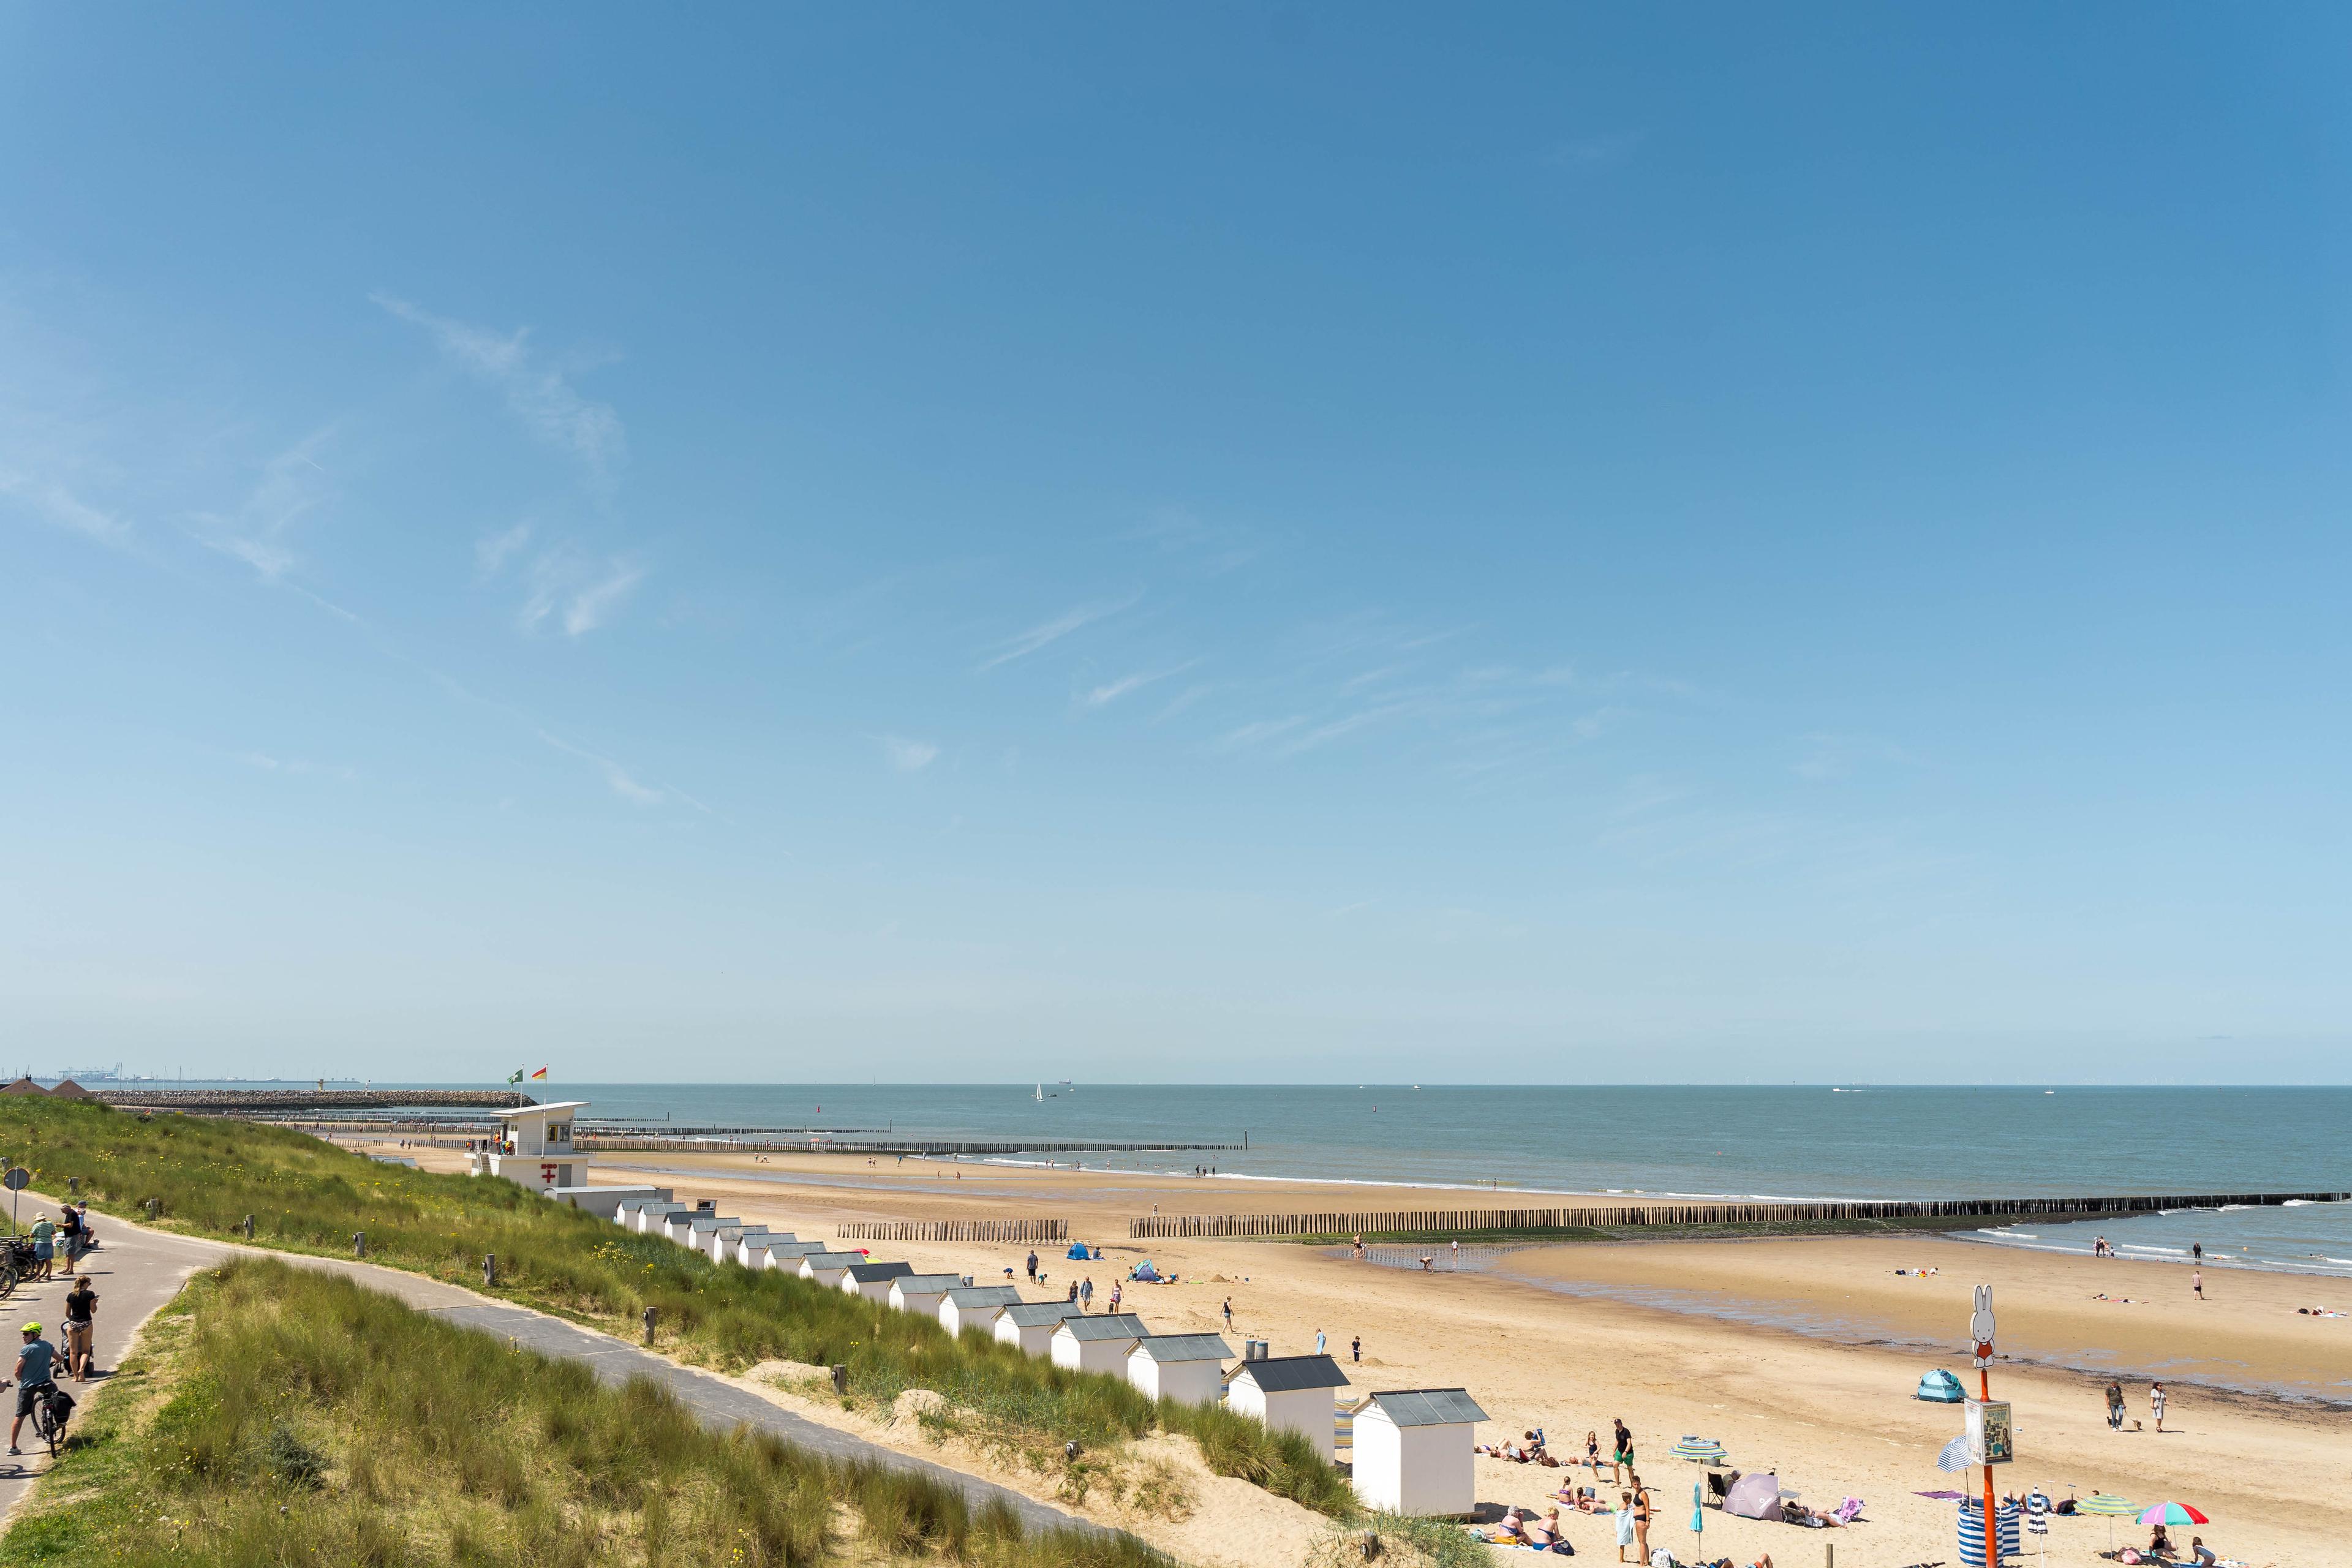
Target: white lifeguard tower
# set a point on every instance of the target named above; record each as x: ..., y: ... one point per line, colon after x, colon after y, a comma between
x: 533, y: 1148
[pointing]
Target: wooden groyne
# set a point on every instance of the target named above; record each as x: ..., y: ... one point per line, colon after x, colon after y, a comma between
x: 280, y: 1101
x: 789, y: 1143
x: 954, y: 1230
x: 1671, y: 1213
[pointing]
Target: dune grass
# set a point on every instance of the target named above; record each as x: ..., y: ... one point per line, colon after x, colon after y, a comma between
x: 283, y: 1416
x: 308, y: 1196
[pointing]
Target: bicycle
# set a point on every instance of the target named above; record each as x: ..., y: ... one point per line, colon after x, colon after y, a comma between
x: 52, y: 1408
x: 16, y: 1262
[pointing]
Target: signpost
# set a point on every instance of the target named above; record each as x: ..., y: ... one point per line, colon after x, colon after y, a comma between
x: 1988, y: 1425
x: 16, y: 1181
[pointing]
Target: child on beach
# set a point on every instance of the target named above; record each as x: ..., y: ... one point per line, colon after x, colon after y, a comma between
x: 1625, y: 1524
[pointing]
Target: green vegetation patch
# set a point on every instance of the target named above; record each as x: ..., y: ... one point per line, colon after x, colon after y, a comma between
x: 306, y: 1195
x: 283, y: 1416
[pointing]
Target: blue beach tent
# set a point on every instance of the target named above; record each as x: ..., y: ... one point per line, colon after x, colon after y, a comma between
x: 1077, y: 1249
x: 1941, y: 1387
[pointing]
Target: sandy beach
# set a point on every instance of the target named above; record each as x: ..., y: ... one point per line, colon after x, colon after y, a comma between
x: 1798, y: 1355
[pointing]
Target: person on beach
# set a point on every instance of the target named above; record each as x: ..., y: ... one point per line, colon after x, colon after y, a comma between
x: 1621, y: 1463
x: 1426, y: 1261
x: 1625, y: 1524
x: 2197, y: 1252
x: 1229, y: 1314
x: 2115, y: 1406
x: 2196, y: 1282
x: 36, y: 1370
x: 2201, y: 1553
x: 1458, y: 1252
x: 1356, y: 1348
x: 1592, y: 1451
x: 1033, y: 1267
x: 81, y: 1325
x: 1640, y: 1521
x: 1115, y: 1287
x: 1360, y: 1249
x: 1087, y: 1294
x: 2155, y: 1403
x: 1318, y: 1341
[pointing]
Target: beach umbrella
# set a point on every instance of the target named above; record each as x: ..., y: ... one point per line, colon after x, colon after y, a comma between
x: 1698, y: 1450
x: 1955, y: 1456
x: 2173, y: 1514
x: 2107, y: 1506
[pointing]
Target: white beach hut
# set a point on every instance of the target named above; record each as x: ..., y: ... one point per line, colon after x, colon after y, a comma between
x: 975, y: 1306
x: 1097, y: 1343
x: 828, y: 1269
x: 872, y: 1281
x: 787, y: 1255
x: 625, y: 1214
x: 646, y: 1218
x: 1187, y: 1368
x: 604, y: 1203
x: 922, y: 1293
x: 751, y: 1247
x: 1031, y: 1324
x: 534, y: 1147
x: 725, y: 1241
x: 1413, y: 1451
x: 1290, y: 1393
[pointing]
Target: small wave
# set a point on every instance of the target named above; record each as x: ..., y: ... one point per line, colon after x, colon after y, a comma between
x: 2171, y: 1251
x: 2235, y: 1208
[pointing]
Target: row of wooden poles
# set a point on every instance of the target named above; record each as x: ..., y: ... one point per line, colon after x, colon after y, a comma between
x: 1611, y: 1216
x: 954, y: 1230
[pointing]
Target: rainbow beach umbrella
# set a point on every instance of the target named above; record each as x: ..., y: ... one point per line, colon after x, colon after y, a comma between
x: 1698, y: 1450
x: 2173, y: 1514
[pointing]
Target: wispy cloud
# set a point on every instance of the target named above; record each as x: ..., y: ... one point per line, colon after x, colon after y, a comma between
x: 593, y: 605
x: 541, y: 396
x: 1046, y: 633
x: 492, y: 551
x: 295, y: 767
x: 1110, y: 692
x: 260, y: 532
x: 1259, y: 732
x: 55, y: 505
x: 907, y: 756
x: 580, y: 595
x: 622, y: 782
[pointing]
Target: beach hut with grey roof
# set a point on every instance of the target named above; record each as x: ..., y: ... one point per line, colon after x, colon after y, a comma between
x: 1414, y: 1451
x: 787, y: 1255
x: 872, y: 1281
x: 829, y: 1269
x: 1290, y: 1393
x: 604, y: 1202
x: 922, y: 1293
x: 1031, y: 1324
x: 1085, y: 1343
x: 727, y: 1238
x: 1187, y: 1368
x: 645, y: 1219
x: 975, y: 1307
x: 753, y: 1247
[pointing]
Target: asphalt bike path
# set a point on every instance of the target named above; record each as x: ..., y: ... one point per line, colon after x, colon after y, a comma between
x: 136, y: 1270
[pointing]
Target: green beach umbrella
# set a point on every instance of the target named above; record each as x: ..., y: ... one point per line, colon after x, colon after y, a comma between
x: 2107, y: 1506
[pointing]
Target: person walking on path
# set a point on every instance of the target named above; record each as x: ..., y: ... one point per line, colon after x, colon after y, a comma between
x: 36, y: 1370
x: 81, y: 1326
x: 44, y: 1245
x: 2115, y: 1406
x: 2155, y: 1403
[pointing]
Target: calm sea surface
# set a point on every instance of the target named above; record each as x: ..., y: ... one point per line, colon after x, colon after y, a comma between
x: 1740, y: 1143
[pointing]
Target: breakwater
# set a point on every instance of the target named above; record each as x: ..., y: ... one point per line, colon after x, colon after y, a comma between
x: 283, y: 1101
x: 1667, y: 1213
x: 954, y: 1230
x: 782, y: 1144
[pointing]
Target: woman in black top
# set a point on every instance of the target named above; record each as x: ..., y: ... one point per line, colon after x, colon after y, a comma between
x: 81, y: 1324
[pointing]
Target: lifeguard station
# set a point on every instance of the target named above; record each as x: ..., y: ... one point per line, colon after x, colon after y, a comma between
x: 534, y: 1147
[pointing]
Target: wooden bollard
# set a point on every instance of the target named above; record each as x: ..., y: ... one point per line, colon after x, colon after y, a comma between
x: 73, y: 1186
x: 490, y: 1270
x: 840, y: 1378
x: 358, y: 1244
x: 651, y: 1313
x: 249, y: 1228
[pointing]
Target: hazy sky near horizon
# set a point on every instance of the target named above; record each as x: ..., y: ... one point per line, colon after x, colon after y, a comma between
x: 1241, y: 542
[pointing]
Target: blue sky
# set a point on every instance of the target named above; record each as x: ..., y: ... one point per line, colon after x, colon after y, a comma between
x: 1243, y: 543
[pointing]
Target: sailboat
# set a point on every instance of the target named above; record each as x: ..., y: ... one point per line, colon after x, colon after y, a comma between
x: 1041, y: 1093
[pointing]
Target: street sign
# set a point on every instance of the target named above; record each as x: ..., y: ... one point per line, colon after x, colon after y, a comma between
x: 1990, y: 1436
x: 17, y: 1179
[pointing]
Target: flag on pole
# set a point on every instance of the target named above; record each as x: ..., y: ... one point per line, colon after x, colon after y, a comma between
x: 540, y: 1073
x: 515, y: 1077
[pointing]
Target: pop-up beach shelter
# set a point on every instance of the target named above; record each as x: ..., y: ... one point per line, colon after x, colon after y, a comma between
x: 1941, y: 1387
x: 975, y: 1306
x: 1755, y: 1497
x: 1096, y: 1345
x: 1414, y: 1451
x: 1077, y: 1249
x: 1031, y: 1324
x: 1290, y: 1393
x: 1187, y: 1368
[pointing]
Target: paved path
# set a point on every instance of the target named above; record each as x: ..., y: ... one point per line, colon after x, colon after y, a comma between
x: 136, y: 1270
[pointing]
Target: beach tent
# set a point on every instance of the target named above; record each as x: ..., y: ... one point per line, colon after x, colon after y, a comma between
x: 1414, y: 1451
x: 1755, y: 1497
x: 1031, y: 1324
x: 1187, y: 1368
x: 974, y: 1306
x: 1290, y: 1393
x: 1971, y: 1541
x: 1145, y: 1272
x: 1077, y: 1249
x: 1941, y: 1387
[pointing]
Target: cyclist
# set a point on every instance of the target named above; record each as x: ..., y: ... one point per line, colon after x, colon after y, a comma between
x: 35, y: 1376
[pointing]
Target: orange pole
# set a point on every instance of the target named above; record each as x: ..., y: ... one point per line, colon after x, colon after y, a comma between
x: 1992, y: 1524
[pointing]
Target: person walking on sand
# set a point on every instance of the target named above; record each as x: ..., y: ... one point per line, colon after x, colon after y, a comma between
x: 1458, y: 1252
x: 1087, y: 1294
x: 1033, y: 1265
x: 2155, y: 1403
x: 1229, y: 1314
x: 1318, y: 1341
x: 2115, y: 1406
x: 1356, y: 1348
x: 1621, y: 1464
x: 2196, y: 1282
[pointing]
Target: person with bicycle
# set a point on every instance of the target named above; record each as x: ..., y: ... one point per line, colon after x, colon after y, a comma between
x: 45, y: 1248
x: 35, y: 1376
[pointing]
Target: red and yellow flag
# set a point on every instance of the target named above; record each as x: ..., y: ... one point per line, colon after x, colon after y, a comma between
x: 540, y: 1073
